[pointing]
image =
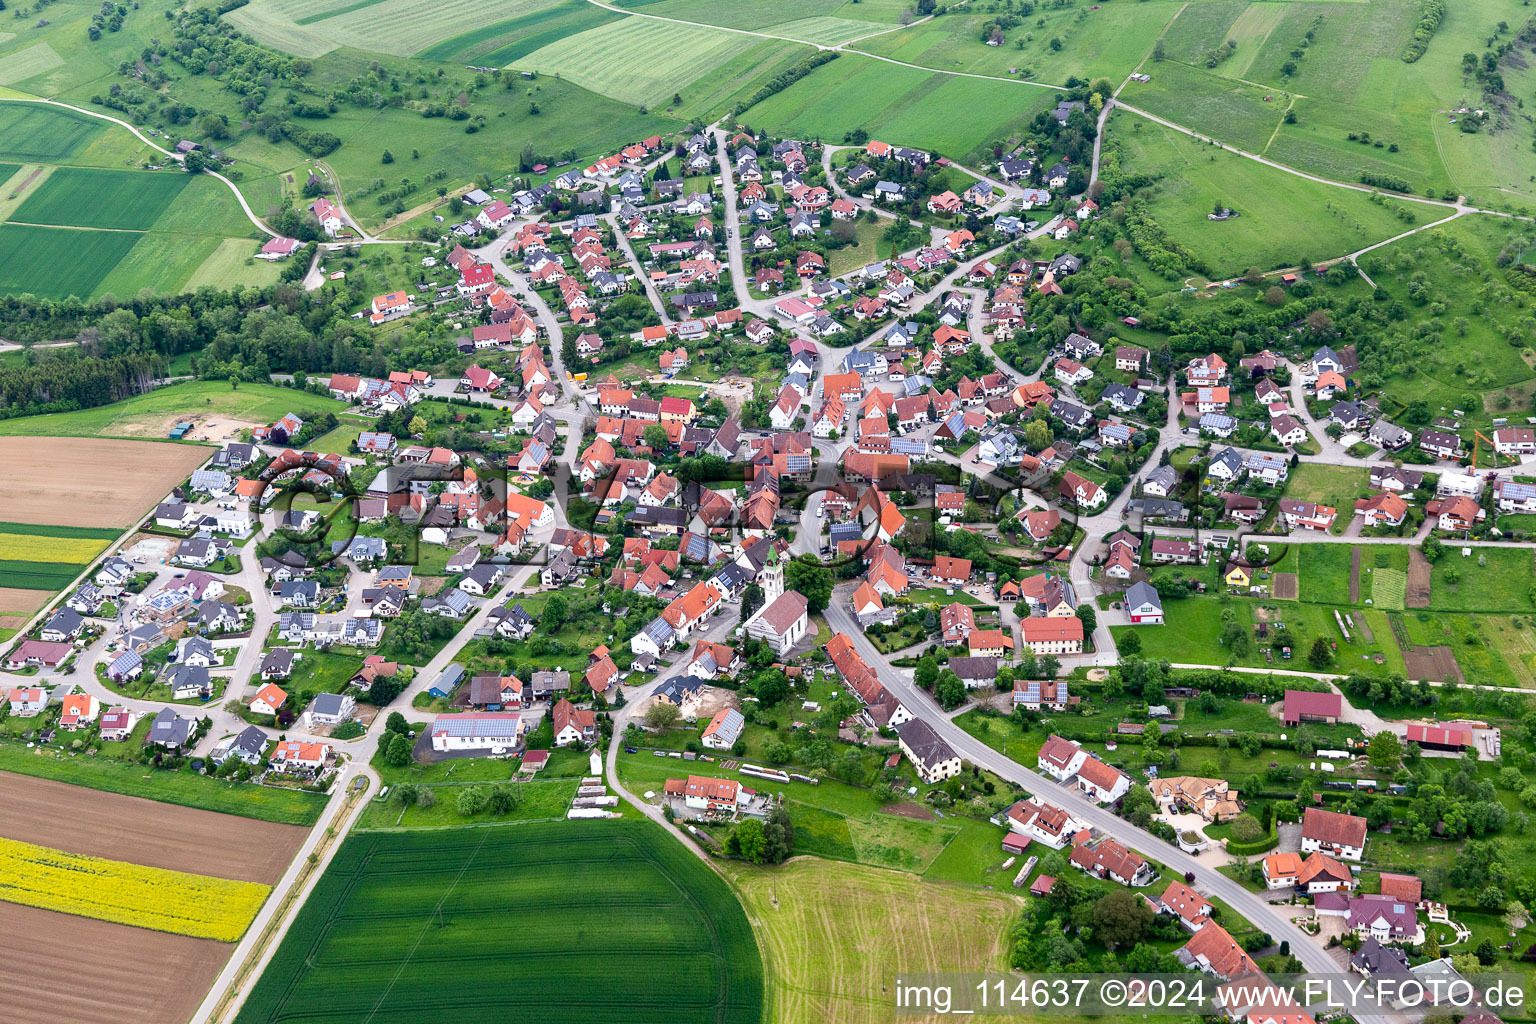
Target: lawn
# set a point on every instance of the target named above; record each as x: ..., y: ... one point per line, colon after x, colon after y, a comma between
x: 113, y: 775
x: 1334, y: 486
x: 32, y: 133
x: 592, y: 901
x: 832, y: 934
x: 540, y: 800
x: 1235, y: 113
x: 398, y: 27
x: 1488, y: 580
x: 149, y: 415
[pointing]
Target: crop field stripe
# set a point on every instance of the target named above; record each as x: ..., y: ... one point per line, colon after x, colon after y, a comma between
x: 32, y: 133
x: 201, y: 906
x: 78, y: 550
x: 37, y: 575
x: 43, y: 530
x: 345, y: 938
x: 56, y: 263
x: 348, y: 9
x: 101, y: 198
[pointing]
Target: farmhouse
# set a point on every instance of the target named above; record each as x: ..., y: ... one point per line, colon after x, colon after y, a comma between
x: 1111, y: 860
x: 932, y: 758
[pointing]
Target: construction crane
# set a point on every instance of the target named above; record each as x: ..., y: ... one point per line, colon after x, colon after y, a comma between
x: 1477, y: 444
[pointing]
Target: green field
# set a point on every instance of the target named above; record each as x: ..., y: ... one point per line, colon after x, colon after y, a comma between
x: 146, y: 415
x: 638, y: 60
x: 39, y: 530
x: 1096, y: 41
x: 37, y: 575
x: 949, y: 113
x: 96, y: 198
x: 55, y: 263
x: 186, y: 788
x: 31, y: 133
x: 503, y: 42
x: 398, y: 27
x: 1280, y: 217
x: 89, y: 230
x: 583, y: 921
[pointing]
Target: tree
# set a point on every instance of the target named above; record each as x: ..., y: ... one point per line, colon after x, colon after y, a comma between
x: 388, y: 157
x: 779, y: 834
x: 752, y: 840
x: 1516, y: 917
x: 1245, y: 828
x: 1321, y: 655
x: 418, y: 425
x: 662, y: 715
x: 471, y: 801
x: 194, y: 163
x: 396, y: 723
x: 398, y: 753
x: 502, y: 798
x: 1090, y: 617
x: 655, y: 436
x: 1385, y: 750
x: 1037, y: 435
x: 1129, y: 644
x: 926, y: 673
x: 1486, y: 952
x: 1121, y: 918
x: 949, y: 691
x: 1274, y: 295
x: 811, y: 581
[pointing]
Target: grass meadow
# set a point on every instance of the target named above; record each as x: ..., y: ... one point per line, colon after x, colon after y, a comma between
x: 145, y: 415
x: 1280, y: 216
x: 832, y: 934
x: 97, y: 198
x: 406, y: 919
x: 948, y: 113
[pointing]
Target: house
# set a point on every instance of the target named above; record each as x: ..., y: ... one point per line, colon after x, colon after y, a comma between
x: 1060, y: 758
x: 933, y: 759
x: 1320, y: 873
x: 1374, y: 959
x: 1288, y: 430
x: 1213, y: 950
x: 126, y: 666
x: 1102, y: 782
x: 700, y: 793
x: 1192, y: 909
x: 248, y: 745
x: 1518, y: 442
x: 1511, y: 496
x: 38, y: 653
x: 989, y: 643
x: 1144, y: 605
x: 300, y: 756
x: 1281, y: 870
x: 64, y: 625
x: 169, y: 730
x: 1384, y: 509
x: 1048, y: 635
x: 1456, y: 515
x: 1341, y: 835
x: 1307, y: 706
x: 1111, y: 860
x: 268, y: 699
x: 78, y: 710
x: 724, y: 729
x: 1042, y: 823
x: 330, y: 709
x: 1212, y: 799
x: 573, y: 726
x: 1306, y: 515
x: 117, y: 724
x: 1070, y: 371
x: 1440, y: 444
x: 1166, y: 549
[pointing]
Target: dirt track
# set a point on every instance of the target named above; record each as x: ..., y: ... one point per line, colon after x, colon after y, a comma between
x: 83, y: 481
x: 147, y: 832
x: 66, y: 968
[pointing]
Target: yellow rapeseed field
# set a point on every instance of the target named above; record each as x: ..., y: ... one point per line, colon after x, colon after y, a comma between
x: 27, y: 547
x: 113, y: 890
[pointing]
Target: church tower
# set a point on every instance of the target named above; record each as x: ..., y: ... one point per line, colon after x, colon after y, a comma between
x: 771, y: 579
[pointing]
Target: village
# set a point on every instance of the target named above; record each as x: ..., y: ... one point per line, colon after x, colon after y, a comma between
x: 923, y: 524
